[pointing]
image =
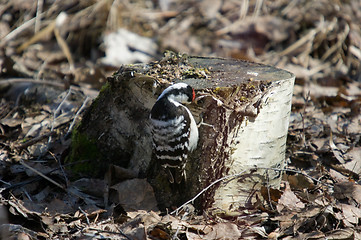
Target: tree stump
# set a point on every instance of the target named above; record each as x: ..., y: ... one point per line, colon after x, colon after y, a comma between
x: 243, y: 109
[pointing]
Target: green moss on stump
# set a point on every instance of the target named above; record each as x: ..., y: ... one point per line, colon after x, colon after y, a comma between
x: 84, y: 155
x: 102, y: 91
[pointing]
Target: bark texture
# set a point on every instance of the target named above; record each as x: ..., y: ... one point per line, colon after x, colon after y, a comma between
x: 246, y: 109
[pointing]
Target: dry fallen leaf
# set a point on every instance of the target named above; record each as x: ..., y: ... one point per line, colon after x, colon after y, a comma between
x: 271, y: 194
x: 11, y: 122
x: 341, y: 234
x: 224, y: 231
x: 354, y: 159
x: 348, y: 190
x: 94, y: 187
x: 336, y: 151
x: 135, y: 194
x: 299, y: 181
x: 159, y: 233
x: 289, y: 200
x: 350, y: 215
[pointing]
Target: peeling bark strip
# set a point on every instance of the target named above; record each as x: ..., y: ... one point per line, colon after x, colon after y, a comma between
x: 245, y: 107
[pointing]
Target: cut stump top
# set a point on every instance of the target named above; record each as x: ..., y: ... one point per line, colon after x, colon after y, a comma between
x: 231, y: 72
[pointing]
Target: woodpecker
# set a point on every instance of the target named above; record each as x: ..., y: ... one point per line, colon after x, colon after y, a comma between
x: 174, y: 130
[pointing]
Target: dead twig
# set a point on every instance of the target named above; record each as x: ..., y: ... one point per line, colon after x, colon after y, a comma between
x: 39, y: 9
x: 61, y: 168
x: 299, y: 172
x: 42, y: 175
x: 37, y: 37
x: 239, y: 174
x: 205, y: 189
x: 257, y: 9
x: 76, y: 116
x: 34, y: 140
x: 19, y: 29
x: 61, y: 41
x: 36, y: 178
x: 85, y: 214
x: 31, y: 80
x: 56, y: 113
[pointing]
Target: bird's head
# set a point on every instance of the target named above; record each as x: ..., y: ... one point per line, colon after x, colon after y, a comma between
x: 179, y: 92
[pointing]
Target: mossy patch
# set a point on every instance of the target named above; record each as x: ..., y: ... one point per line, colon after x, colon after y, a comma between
x: 84, y: 156
x: 102, y: 91
x: 104, y: 88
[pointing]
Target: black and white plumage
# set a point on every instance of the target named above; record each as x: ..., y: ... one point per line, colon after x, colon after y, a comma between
x: 174, y: 130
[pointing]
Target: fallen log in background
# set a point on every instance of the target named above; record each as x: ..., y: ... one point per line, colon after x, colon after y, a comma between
x: 244, y: 108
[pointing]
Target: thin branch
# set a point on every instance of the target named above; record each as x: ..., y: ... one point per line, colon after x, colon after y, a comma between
x: 31, y: 80
x: 61, y: 168
x: 39, y: 10
x: 19, y: 29
x: 257, y: 9
x: 205, y: 189
x: 309, y: 37
x: 34, y: 140
x: 57, y: 111
x: 60, y: 20
x: 85, y: 214
x: 76, y: 115
x: 241, y: 173
x: 42, y: 175
x: 296, y: 171
x: 36, y: 178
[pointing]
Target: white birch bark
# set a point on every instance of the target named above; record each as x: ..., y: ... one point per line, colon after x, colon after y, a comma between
x: 258, y: 142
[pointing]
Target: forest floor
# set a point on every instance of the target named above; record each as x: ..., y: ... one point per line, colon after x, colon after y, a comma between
x: 54, y: 58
